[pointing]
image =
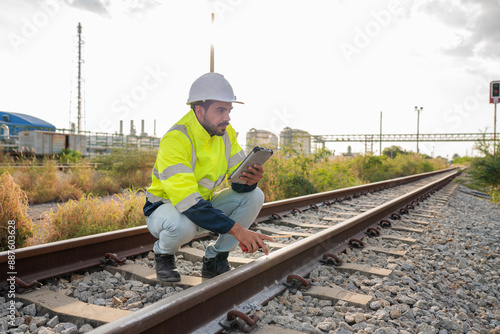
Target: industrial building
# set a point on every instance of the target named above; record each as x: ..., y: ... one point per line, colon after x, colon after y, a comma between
x: 295, y: 140
x: 12, y: 123
x: 25, y: 134
x: 261, y: 138
x: 16, y: 125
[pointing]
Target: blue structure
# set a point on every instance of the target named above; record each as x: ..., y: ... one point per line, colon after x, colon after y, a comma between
x: 19, y: 122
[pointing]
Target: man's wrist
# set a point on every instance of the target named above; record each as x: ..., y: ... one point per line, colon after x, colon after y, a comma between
x: 235, y: 230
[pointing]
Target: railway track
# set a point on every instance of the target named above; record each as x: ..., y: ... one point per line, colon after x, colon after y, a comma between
x: 59, y: 166
x: 321, y: 227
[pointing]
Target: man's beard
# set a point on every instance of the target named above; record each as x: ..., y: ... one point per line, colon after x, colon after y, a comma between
x: 214, y: 130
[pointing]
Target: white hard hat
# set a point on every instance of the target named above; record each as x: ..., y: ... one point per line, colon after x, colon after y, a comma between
x: 211, y: 86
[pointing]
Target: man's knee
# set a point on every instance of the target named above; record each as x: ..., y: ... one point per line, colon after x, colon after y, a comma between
x: 257, y: 196
x: 175, y: 234
x: 188, y: 230
x: 181, y: 228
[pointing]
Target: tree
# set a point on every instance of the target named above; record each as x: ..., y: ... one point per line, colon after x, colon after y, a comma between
x: 486, y: 170
x: 322, y: 154
x: 393, y: 151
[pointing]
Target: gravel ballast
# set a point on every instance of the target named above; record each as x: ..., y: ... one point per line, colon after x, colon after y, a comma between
x: 448, y: 282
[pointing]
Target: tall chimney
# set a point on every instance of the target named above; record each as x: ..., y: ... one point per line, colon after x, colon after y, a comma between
x: 132, y: 128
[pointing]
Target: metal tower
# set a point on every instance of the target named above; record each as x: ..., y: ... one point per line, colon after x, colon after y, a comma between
x: 79, y: 101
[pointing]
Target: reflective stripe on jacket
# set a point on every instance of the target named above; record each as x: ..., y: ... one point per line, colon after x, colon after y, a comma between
x: 190, y: 163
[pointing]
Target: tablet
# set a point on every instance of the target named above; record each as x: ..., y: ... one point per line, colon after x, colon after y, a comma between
x: 258, y: 155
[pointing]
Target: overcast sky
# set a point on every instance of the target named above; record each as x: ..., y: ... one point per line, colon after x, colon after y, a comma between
x: 326, y: 67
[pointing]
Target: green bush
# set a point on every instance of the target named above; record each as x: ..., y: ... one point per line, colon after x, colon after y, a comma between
x: 69, y: 156
x: 462, y: 161
x: 298, y: 175
x: 393, y: 151
x: 371, y: 168
x: 296, y: 185
x: 285, y: 176
x: 486, y: 171
x: 334, y: 175
x: 404, y: 165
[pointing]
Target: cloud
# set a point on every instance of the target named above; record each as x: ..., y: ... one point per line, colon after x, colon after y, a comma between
x: 100, y: 7
x: 107, y: 8
x: 476, y: 23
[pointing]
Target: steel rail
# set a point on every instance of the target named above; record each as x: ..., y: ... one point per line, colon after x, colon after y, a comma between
x: 199, y: 309
x: 41, y: 262
x: 60, y: 166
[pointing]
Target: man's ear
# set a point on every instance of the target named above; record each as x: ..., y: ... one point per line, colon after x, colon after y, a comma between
x: 199, y: 111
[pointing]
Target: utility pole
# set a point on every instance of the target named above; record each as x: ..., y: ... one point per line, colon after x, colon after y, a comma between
x: 495, y: 131
x: 495, y: 98
x: 380, y: 148
x: 418, y: 121
x: 212, y: 46
x: 79, y: 77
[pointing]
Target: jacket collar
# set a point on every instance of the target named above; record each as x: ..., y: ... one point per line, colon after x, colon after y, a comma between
x: 198, y: 130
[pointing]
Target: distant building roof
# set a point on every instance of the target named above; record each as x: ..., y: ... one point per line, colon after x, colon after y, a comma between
x: 17, y: 119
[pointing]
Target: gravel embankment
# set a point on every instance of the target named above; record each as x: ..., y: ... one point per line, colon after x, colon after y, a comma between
x: 448, y: 282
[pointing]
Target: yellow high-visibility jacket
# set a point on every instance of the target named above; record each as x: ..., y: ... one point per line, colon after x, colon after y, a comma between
x: 190, y: 163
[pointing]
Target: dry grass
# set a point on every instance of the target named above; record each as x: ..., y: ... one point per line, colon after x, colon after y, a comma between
x: 91, y: 215
x: 13, y: 208
x: 85, y: 213
x: 39, y: 182
x: 45, y: 183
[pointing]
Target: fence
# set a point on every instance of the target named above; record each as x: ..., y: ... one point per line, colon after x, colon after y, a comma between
x: 96, y: 142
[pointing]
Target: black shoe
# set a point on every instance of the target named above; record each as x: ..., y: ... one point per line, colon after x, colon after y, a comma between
x: 166, y: 269
x: 215, y: 266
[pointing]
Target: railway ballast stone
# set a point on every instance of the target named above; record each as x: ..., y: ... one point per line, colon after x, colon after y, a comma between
x: 447, y: 282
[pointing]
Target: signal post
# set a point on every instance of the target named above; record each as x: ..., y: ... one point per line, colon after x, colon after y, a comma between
x: 494, y: 98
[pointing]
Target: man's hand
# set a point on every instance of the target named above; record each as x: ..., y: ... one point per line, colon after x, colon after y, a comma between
x: 254, y: 174
x: 252, y: 240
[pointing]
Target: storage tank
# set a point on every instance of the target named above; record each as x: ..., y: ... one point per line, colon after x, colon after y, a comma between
x: 295, y: 139
x: 261, y: 138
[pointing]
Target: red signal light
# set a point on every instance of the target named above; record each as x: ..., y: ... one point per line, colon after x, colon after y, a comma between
x: 495, y: 92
